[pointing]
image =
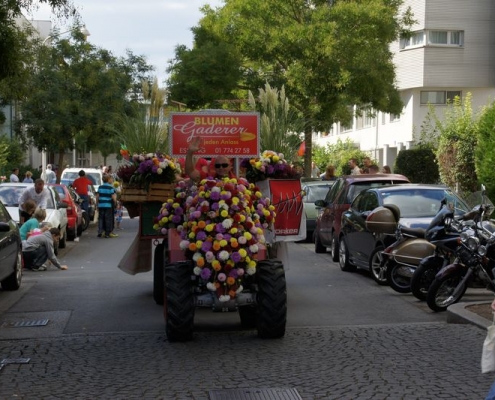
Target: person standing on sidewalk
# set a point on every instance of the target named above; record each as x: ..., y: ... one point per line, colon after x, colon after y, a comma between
x: 106, y: 198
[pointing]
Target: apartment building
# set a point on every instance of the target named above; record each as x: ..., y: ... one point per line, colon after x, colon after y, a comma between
x: 450, y: 53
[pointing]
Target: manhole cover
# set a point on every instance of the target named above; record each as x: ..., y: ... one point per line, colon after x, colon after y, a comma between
x: 22, y: 324
x: 254, y: 394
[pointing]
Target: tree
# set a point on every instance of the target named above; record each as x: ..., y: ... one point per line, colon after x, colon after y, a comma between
x: 457, y: 143
x: 278, y: 122
x: 484, y: 153
x: 13, y: 38
x: 78, y: 91
x: 327, y: 55
x: 338, y: 155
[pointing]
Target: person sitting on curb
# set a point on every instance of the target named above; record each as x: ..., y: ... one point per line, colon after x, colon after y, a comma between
x: 37, y: 249
x: 39, y: 216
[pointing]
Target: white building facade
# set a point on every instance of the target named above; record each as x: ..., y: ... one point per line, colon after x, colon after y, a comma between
x: 450, y: 53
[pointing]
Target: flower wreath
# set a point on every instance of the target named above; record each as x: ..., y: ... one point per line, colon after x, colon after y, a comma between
x: 221, y: 223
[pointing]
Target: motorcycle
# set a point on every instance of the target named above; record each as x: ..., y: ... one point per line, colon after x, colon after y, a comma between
x: 474, y: 262
x: 435, y: 245
x: 443, y: 232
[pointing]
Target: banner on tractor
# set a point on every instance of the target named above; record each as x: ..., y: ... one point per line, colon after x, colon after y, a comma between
x: 234, y: 135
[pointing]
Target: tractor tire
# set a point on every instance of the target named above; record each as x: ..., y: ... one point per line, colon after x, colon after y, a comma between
x: 179, y: 304
x: 160, y: 260
x: 271, y: 299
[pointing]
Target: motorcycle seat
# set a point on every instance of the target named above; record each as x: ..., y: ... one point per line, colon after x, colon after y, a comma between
x: 414, y: 232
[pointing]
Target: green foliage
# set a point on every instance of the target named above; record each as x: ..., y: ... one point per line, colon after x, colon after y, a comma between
x: 11, y: 155
x: 456, y: 147
x: 278, y: 122
x: 485, y: 152
x: 338, y: 155
x: 419, y: 165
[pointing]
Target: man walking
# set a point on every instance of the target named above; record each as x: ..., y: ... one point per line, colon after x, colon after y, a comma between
x: 106, y: 198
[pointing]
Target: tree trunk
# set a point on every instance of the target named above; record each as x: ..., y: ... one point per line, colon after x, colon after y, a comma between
x: 308, y: 139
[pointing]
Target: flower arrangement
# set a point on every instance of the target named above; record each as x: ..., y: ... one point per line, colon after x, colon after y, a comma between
x: 3, y: 178
x: 141, y: 170
x: 269, y: 165
x: 221, y: 223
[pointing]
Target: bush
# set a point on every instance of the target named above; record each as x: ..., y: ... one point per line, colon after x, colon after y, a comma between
x: 419, y: 165
x: 485, y: 153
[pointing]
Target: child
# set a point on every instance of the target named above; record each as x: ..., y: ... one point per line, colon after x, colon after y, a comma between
x: 34, y: 222
x: 119, y: 213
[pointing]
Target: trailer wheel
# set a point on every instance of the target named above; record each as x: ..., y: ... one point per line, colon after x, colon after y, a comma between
x: 271, y: 299
x: 179, y: 305
x: 159, y: 263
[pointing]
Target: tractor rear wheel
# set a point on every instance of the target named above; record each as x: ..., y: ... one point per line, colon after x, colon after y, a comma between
x: 271, y: 299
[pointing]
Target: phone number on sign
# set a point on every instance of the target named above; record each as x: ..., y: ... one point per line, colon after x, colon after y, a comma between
x: 220, y: 150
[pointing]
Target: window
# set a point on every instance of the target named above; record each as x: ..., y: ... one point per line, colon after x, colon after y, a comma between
x: 394, y: 117
x: 439, y: 96
x: 432, y: 38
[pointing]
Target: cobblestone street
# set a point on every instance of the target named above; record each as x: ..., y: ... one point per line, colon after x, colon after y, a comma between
x: 408, y: 361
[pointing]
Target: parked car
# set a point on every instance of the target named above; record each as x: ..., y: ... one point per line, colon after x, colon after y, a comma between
x: 70, y: 174
x: 10, y: 251
x: 315, y: 189
x: 56, y: 213
x: 418, y: 205
x: 75, y: 220
x: 338, y: 200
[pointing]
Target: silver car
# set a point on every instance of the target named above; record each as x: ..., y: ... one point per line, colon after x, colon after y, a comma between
x: 56, y: 210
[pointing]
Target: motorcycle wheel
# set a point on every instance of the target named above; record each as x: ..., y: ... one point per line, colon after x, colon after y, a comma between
x: 439, y: 295
x: 377, y: 266
x: 423, y: 277
x: 398, y: 281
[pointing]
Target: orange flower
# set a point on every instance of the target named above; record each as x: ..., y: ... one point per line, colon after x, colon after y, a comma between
x: 201, y: 224
x: 192, y: 246
x: 232, y: 294
x: 230, y: 281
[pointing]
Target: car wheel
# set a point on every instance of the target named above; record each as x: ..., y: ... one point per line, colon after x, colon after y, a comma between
x: 335, y: 249
x: 319, y: 248
x: 63, y: 240
x: 13, y: 281
x: 377, y: 266
x: 344, y: 263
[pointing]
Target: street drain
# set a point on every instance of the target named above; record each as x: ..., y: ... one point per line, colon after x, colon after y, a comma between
x: 23, y: 324
x: 7, y: 361
x: 254, y: 394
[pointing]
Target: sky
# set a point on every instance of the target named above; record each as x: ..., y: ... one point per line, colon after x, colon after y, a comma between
x: 152, y: 28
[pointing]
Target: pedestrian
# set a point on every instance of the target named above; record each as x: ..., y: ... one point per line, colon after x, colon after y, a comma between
x: 329, y: 174
x: 366, y: 165
x: 50, y: 176
x: 80, y: 185
x: 14, y: 176
x: 38, y: 249
x: 315, y: 171
x: 355, y: 170
x: 38, y: 193
x: 373, y: 169
x: 105, y: 197
x: 386, y: 169
x: 28, y: 177
x: 223, y: 166
x: 119, y: 214
x: 32, y: 223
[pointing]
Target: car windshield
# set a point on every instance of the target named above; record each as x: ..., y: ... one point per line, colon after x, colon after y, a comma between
x: 315, y: 192
x: 420, y: 202
x: 9, y: 195
x: 358, y: 187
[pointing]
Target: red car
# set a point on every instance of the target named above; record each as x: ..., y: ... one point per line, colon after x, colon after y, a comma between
x: 75, y: 221
x: 338, y: 200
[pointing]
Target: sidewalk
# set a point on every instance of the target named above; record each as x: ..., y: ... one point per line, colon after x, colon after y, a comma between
x: 477, y: 314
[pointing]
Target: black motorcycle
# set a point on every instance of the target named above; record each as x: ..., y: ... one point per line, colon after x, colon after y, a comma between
x: 474, y: 262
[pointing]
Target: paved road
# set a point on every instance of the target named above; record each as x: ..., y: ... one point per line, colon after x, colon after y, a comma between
x: 347, y: 338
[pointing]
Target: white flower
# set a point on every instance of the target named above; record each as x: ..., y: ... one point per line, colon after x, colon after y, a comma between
x: 216, y: 189
x: 211, y: 286
x: 242, y: 240
x: 224, y: 298
x: 184, y: 244
x: 251, y: 270
x: 223, y: 255
x: 196, y: 256
x: 159, y: 171
x: 150, y: 155
x: 197, y: 270
x: 253, y: 248
x: 227, y: 223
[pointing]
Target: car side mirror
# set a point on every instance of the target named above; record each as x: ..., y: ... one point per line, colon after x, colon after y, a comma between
x: 320, y: 203
x: 61, y: 204
x: 4, y: 227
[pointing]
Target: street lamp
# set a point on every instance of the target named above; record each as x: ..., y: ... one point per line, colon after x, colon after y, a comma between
x: 86, y: 33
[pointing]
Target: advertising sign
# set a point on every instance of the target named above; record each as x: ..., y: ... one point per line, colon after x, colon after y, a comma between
x: 223, y: 133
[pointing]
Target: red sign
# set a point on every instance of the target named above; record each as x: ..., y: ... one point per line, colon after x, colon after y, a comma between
x: 228, y: 134
x: 287, y: 199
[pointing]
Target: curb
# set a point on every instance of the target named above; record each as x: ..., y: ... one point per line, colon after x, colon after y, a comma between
x: 458, y: 314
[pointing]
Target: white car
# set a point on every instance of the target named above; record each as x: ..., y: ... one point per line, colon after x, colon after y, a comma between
x: 56, y: 210
x: 93, y: 174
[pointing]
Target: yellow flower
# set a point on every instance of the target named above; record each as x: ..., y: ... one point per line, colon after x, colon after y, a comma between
x: 243, y: 253
x: 223, y: 243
